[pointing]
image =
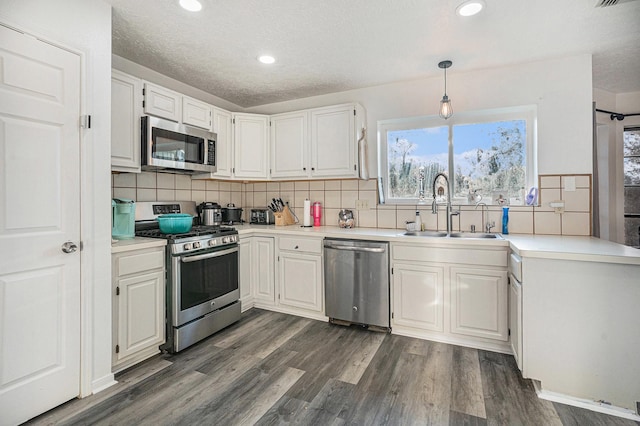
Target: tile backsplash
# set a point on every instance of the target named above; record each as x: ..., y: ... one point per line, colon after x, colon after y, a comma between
x: 574, y: 190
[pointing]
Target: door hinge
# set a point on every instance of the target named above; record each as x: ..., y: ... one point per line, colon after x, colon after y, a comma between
x: 117, y: 291
x: 354, y: 167
x: 142, y: 104
x: 391, y: 271
x: 509, y: 332
x: 278, y: 296
x: 85, y: 121
x: 354, y: 111
x: 117, y: 349
x: 233, y: 169
x: 143, y: 91
x: 278, y: 258
x: 233, y: 121
x: 391, y: 315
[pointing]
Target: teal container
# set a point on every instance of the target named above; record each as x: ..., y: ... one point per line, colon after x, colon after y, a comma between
x: 505, y: 220
x: 123, y: 219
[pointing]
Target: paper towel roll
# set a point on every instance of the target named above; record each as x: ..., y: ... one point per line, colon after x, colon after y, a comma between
x: 306, y: 213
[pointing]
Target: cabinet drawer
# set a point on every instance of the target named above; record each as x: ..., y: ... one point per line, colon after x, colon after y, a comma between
x: 301, y: 244
x: 484, y: 257
x: 139, y: 262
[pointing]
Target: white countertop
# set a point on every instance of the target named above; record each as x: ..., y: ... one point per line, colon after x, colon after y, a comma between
x: 136, y: 243
x: 588, y: 249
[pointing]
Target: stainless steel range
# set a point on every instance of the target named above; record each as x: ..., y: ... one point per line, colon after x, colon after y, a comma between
x: 202, y: 274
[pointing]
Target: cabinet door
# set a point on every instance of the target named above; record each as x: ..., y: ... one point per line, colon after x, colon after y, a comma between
x: 140, y: 313
x: 262, y: 263
x: 250, y: 146
x: 126, y: 105
x: 479, y: 303
x: 245, y: 271
x: 515, y: 320
x: 223, y: 127
x: 162, y: 102
x: 418, y: 296
x: 290, y: 145
x: 301, y: 281
x: 333, y: 141
x: 196, y: 113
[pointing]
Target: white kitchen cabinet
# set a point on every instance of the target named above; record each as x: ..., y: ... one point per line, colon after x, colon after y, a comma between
x: 290, y: 145
x: 126, y: 108
x: 138, y: 305
x: 196, y: 113
x: 333, y: 141
x: 451, y: 293
x: 418, y: 296
x: 223, y: 127
x: 479, y: 302
x: 300, y: 274
x: 251, y: 146
x: 515, y: 319
x: 245, y: 265
x: 162, y: 102
x: 262, y: 271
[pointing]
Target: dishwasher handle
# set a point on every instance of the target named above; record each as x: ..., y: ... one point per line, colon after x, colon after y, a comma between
x: 352, y: 248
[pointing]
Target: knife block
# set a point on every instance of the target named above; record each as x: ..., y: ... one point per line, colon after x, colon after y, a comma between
x: 284, y: 217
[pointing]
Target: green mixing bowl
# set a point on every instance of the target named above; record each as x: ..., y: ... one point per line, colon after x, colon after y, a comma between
x: 175, y: 223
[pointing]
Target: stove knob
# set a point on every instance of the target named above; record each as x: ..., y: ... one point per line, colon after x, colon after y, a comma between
x: 225, y: 240
x: 196, y: 245
x: 212, y: 242
x: 187, y: 246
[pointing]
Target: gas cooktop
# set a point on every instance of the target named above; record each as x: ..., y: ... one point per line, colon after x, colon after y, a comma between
x: 197, y: 231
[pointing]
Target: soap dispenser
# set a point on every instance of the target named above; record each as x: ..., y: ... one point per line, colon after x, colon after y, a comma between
x: 418, y: 221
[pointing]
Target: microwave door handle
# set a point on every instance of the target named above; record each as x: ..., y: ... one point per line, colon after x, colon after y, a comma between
x: 187, y: 259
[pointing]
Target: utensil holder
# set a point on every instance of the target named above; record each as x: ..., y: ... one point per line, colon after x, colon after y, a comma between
x: 284, y: 217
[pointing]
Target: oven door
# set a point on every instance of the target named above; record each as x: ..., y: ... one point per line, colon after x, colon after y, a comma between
x: 203, y: 283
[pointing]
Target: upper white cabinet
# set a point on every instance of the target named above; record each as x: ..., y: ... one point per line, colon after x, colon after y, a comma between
x: 223, y: 127
x: 196, y: 113
x: 289, y: 145
x: 316, y: 143
x: 251, y: 146
x: 162, y: 102
x: 333, y: 141
x: 126, y: 108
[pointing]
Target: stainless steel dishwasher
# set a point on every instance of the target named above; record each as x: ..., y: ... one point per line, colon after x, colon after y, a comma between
x: 356, y: 277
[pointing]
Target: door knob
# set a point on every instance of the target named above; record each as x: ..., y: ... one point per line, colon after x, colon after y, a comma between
x: 355, y: 309
x: 69, y: 247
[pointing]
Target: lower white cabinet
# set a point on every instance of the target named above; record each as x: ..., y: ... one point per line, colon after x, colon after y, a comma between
x: 418, y: 296
x: 479, y: 302
x: 454, y: 294
x: 246, y: 295
x: 262, y: 271
x: 138, y: 305
x: 300, y: 289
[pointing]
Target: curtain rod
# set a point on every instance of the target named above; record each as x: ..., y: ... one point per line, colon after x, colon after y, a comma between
x: 617, y: 115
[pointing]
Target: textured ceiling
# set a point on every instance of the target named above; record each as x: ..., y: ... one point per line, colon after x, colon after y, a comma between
x: 325, y: 46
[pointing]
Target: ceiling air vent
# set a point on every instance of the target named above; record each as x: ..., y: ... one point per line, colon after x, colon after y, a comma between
x: 607, y: 3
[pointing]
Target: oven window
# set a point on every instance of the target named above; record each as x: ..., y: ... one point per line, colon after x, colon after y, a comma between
x: 174, y: 146
x: 207, y: 279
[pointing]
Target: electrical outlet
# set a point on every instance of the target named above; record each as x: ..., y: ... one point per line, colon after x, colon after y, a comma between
x: 362, y: 205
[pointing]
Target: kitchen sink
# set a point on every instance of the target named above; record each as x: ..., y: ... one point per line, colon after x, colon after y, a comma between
x: 425, y: 234
x: 475, y: 235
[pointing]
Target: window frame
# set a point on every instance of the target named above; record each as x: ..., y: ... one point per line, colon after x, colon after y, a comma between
x: 527, y: 113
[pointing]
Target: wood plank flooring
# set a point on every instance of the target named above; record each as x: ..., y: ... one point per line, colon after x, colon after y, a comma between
x: 276, y: 369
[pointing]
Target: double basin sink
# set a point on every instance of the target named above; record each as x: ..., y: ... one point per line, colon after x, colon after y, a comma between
x: 441, y: 234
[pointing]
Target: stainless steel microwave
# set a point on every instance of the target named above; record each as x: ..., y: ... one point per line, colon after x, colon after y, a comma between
x: 178, y: 147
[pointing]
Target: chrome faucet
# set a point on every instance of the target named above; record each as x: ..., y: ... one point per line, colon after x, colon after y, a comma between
x: 434, y: 205
x: 485, y: 225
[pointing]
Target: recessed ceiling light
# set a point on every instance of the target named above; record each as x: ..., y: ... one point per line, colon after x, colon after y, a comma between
x: 191, y: 5
x: 266, y: 59
x: 470, y: 7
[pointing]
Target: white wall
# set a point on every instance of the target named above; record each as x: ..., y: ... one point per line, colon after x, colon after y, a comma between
x: 561, y: 89
x: 85, y: 26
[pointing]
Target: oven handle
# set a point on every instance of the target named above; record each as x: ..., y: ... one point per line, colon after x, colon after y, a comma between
x: 187, y: 259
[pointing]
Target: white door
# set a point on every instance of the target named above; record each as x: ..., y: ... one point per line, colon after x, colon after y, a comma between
x: 40, y: 199
x: 289, y: 145
x: 333, y: 142
x: 251, y: 142
x: 418, y: 296
x: 301, y: 281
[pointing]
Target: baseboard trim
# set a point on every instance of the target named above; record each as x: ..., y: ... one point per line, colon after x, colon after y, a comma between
x: 584, y: 403
x: 103, y: 383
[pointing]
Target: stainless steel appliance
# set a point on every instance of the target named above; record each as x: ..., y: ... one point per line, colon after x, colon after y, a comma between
x: 202, y: 275
x: 262, y: 217
x: 231, y: 214
x: 356, y: 275
x: 210, y: 214
x: 345, y: 219
x: 177, y: 147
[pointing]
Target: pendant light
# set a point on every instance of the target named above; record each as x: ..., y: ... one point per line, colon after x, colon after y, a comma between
x: 446, y: 110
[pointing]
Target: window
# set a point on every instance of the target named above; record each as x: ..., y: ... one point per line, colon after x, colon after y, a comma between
x: 487, y: 156
x: 631, y: 153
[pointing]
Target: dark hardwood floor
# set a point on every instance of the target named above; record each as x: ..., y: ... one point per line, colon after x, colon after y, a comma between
x: 271, y: 369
